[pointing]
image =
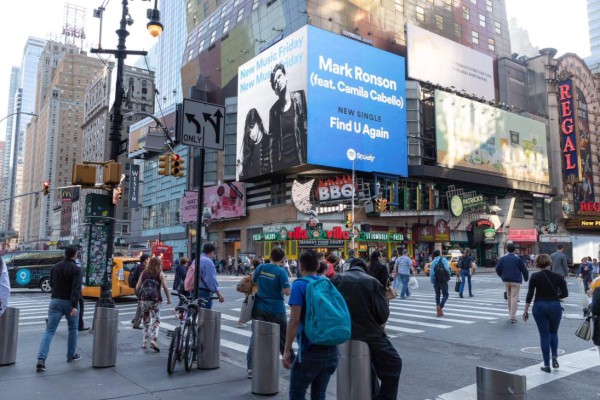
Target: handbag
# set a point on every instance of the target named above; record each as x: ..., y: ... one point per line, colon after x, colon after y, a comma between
x: 457, y: 284
x: 390, y: 292
x: 585, y: 329
x: 247, y: 306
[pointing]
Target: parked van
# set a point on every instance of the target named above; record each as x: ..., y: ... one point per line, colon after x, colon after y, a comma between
x: 31, y: 268
x: 120, y: 278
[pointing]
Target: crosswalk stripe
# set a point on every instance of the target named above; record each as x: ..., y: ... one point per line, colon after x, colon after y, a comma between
x: 431, y: 307
x: 459, y: 321
x: 402, y: 321
x: 400, y: 329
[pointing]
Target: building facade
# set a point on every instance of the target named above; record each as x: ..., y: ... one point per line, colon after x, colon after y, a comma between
x: 54, y: 143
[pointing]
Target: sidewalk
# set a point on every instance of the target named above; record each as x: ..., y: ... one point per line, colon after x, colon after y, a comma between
x: 138, y: 374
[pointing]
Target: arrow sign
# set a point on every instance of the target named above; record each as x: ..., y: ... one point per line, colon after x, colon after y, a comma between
x: 202, y: 125
x: 216, y: 125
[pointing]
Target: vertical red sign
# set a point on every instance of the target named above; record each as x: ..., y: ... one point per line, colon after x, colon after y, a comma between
x: 569, y: 131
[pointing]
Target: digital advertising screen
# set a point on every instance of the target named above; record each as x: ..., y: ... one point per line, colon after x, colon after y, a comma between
x: 475, y: 136
x: 319, y: 98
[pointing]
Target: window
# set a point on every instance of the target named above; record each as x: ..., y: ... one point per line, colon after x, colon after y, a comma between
x: 225, y: 27
x: 489, y: 5
x: 448, y: 5
x: 254, y: 5
x: 214, y: 19
x: 278, y: 191
x: 475, y: 37
x: 400, y: 5
x: 482, y: 20
x: 240, y: 15
x: 492, y: 44
x: 190, y: 54
x: 466, y: 12
x: 189, y: 6
x: 420, y: 14
x: 497, y: 28
x: 457, y: 30
x: 213, y: 36
x: 236, y: 3
x: 201, y: 45
x: 439, y: 22
x: 206, y: 8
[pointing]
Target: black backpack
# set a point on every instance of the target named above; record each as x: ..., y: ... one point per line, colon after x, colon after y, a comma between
x: 134, y: 276
x: 150, y: 290
x: 441, y: 273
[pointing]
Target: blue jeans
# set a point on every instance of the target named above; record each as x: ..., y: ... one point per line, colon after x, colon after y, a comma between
x: 279, y: 319
x: 56, y: 309
x: 443, y: 288
x: 386, y: 365
x: 547, y: 315
x: 315, y: 370
x: 205, y: 294
x: 464, y: 275
x: 404, y: 278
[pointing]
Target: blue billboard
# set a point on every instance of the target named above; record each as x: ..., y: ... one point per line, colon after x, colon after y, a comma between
x: 356, y: 105
x: 317, y: 98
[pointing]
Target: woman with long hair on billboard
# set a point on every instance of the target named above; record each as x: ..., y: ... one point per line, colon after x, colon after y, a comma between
x: 256, y: 147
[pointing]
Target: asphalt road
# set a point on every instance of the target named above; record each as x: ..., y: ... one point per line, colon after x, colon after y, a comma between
x: 440, y: 355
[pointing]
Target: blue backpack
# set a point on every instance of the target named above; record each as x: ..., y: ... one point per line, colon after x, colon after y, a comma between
x: 327, y: 319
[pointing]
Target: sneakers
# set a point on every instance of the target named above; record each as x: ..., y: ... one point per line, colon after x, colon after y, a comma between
x: 440, y: 313
x: 241, y: 325
x: 555, y: 363
x: 249, y: 373
x: 76, y: 357
x: 40, y: 366
x: 513, y: 320
x: 545, y: 369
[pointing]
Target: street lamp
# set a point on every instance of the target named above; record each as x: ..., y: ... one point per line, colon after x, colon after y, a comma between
x: 19, y: 112
x: 115, y: 130
x: 154, y: 26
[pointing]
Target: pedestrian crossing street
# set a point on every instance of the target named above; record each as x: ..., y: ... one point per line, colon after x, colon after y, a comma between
x: 413, y: 316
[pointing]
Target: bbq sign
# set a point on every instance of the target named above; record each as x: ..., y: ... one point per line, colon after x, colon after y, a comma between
x: 335, y: 190
x: 568, y: 130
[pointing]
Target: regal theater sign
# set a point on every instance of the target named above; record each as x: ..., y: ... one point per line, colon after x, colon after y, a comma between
x: 569, y: 131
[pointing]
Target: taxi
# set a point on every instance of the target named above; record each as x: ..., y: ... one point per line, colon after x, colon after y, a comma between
x: 122, y: 266
x: 453, y: 261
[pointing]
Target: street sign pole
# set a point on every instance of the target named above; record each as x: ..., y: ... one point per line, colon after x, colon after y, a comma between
x: 199, y: 207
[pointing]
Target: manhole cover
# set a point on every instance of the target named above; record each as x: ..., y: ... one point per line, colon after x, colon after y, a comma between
x: 538, y: 350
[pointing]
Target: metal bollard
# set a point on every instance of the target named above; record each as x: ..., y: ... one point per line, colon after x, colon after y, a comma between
x: 9, y: 334
x: 354, y: 371
x: 499, y: 385
x: 265, y: 360
x: 209, y: 339
x: 106, y: 325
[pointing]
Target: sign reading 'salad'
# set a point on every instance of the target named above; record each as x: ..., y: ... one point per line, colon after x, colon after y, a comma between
x: 568, y: 130
x: 321, y: 99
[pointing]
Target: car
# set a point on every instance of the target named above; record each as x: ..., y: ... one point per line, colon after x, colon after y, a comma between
x: 453, y: 260
x: 31, y: 268
x: 120, y: 278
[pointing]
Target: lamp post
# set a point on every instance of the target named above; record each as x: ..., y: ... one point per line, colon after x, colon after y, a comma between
x: 114, y: 136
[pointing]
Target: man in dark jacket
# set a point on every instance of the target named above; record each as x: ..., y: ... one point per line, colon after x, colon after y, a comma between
x: 369, y: 310
x: 65, y: 280
x: 512, y: 270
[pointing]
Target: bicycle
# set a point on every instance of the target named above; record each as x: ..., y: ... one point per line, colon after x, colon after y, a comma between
x: 184, y: 340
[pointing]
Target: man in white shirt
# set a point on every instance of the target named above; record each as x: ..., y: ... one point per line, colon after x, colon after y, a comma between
x: 4, y: 287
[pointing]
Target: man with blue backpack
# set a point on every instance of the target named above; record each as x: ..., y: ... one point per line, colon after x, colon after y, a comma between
x: 319, y: 320
x: 439, y: 275
x: 369, y: 310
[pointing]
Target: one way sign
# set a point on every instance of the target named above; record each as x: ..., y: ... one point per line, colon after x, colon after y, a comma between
x: 202, y: 124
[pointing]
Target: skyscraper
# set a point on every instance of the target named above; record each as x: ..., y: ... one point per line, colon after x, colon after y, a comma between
x: 593, y: 10
x: 12, y: 93
x: 24, y: 103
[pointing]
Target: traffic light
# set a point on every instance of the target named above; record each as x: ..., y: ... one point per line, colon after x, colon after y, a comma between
x: 120, y: 192
x: 177, y: 165
x: 380, y: 205
x: 46, y: 188
x: 349, y: 220
x: 164, y: 162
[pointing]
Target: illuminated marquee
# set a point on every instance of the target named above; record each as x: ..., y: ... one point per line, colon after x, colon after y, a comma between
x: 568, y: 130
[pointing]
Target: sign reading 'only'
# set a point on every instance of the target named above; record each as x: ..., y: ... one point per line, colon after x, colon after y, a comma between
x: 203, y: 124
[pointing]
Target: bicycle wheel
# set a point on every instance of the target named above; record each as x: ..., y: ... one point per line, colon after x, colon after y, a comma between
x: 191, y: 347
x: 173, y: 350
x: 181, y: 344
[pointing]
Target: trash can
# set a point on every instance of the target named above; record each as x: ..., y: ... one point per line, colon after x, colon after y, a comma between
x: 209, y: 339
x: 499, y: 385
x: 106, y: 325
x: 265, y: 360
x: 354, y: 371
x: 9, y: 334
